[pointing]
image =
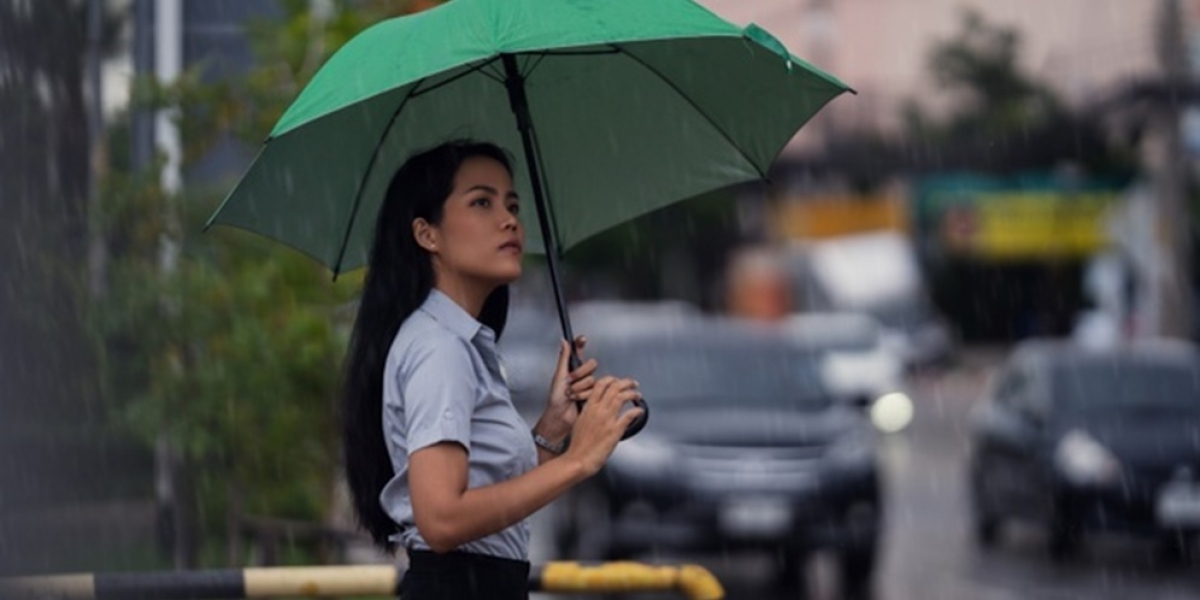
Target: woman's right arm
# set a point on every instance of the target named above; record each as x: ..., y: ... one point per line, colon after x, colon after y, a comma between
x: 448, y: 514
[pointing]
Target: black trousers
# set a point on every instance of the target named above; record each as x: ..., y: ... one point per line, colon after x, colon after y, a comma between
x: 463, y: 576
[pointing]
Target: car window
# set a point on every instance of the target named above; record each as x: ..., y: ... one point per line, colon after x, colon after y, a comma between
x: 714, y: 371
x: 1127, y: 384
x: 1011, y: 386
x: 1019, y: 391
x: 1031, y: 399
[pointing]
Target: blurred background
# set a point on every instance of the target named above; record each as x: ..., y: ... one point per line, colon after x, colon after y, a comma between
x: 1013, y: 186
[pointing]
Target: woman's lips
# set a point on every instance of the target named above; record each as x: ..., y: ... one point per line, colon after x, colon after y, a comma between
x: 514, y: 246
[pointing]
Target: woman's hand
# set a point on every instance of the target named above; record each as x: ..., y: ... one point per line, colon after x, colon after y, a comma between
x: 601, y: 424
x: 567, y: 388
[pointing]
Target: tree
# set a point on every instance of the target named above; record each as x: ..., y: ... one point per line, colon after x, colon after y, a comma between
x: 980, y: 66
x: 235, y: 353
x: 1001, y: 119
x: 1004, y: 119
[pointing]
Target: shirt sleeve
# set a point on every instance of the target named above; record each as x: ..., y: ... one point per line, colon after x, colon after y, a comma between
x: 439, y: 391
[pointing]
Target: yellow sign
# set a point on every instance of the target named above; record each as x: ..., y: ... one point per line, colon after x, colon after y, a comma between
x: 1024, y: 225
x: 813, y: 218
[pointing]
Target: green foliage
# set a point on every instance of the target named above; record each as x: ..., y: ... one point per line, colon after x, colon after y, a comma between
x: 232, y: 353
x: 980, y: 66
x: 1003, y: 119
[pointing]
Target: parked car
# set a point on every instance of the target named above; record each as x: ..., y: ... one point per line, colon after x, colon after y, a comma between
x: 1080, y: 440
x: 530, y: 343
x: 874, y: 273
x: 746, y: 449
x: 857, y: 364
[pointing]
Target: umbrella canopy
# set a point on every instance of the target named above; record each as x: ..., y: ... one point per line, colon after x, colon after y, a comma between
x: 635, y: 103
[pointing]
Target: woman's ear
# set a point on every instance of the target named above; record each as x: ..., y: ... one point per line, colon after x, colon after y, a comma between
x: 424, y: 235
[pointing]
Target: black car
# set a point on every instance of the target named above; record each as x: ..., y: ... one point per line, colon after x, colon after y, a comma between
x: 745, y: 449
x: 1091, y: 440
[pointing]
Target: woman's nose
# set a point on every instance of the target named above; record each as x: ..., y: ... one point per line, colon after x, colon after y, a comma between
x: 510, y: 221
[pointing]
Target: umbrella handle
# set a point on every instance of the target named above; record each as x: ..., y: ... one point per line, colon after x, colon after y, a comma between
x: 638, y: 424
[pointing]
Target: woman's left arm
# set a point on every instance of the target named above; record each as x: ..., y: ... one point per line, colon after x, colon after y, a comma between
x: 567, y: 388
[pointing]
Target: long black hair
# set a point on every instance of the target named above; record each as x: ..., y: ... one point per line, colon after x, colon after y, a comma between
x: 399, y: 278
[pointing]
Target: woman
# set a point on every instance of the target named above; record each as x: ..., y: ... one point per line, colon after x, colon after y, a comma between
x: 437, y: 458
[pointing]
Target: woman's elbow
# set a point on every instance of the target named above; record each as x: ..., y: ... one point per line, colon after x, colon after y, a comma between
x: 439, y: 535
x: 441, y: 545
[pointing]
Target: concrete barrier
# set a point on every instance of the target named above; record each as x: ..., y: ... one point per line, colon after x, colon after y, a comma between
x: 691, y: 581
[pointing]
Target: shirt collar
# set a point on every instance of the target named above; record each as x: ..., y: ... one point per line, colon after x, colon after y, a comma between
x: 447, y: 312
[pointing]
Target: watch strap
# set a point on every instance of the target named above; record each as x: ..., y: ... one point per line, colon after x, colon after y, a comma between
x: 547, y: 445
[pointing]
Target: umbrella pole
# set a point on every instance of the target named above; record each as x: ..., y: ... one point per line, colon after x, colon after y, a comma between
x: 515, y: 82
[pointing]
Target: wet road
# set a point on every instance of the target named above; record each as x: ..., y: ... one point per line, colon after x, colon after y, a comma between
x: 927, y: 551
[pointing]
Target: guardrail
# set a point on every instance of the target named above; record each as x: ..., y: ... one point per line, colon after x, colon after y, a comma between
x: 692, y: 581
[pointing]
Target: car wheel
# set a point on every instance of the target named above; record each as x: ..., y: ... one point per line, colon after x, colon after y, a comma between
x: 987, y: 530
x: 986, y: 523
x: 792, y: 576
x: 585, y: 533
x: 1064, y: 539
x: 1176, y: 548
x: 857, y: 570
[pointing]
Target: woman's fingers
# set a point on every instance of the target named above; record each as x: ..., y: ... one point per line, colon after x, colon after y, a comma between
x: 564, y: 357
x: 583, y: 385
x: 587, y: 369
x: 629, y: 417
x: 617, y: 393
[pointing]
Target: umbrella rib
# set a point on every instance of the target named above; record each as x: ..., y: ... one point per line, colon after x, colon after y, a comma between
x: 540, y: 58
x: 477, y: 68
x: 362, y: 182
x: 694, y: 106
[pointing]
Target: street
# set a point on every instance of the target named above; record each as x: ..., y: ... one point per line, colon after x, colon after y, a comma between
x: 928, y: 552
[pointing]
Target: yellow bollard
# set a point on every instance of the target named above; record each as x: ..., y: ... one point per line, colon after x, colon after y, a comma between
x: 696, y: 582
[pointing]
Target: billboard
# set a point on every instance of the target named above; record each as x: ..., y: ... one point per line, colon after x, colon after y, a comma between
x: 1015, y: 220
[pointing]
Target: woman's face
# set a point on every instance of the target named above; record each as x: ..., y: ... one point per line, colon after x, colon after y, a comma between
x: 480, y: 237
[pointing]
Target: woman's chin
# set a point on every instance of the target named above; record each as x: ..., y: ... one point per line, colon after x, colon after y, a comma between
x: 507, y: 275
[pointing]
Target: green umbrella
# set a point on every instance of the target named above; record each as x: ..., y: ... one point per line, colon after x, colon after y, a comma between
x: 620, y: 106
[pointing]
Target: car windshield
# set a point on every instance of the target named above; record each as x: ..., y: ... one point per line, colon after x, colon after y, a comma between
x: 714, y: 373
x: 1117, y: 385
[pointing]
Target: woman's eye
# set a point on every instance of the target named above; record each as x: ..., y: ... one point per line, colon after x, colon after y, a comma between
x: 514, y: 209
x: 484, y: 202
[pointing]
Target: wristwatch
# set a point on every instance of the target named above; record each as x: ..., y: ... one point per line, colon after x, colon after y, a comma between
x: 547, y: 445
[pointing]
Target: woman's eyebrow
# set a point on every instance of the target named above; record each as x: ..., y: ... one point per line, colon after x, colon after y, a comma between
x: 491, y: 190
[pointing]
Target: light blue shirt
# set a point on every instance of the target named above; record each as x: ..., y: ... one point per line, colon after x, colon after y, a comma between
x: 443, y: 383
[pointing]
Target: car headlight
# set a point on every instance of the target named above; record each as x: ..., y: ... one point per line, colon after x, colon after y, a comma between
x: 891, y: 413
x: 1084, y: 461
x: 643, y: 454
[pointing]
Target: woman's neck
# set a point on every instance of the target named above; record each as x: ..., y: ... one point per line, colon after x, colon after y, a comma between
x: 469, y: 295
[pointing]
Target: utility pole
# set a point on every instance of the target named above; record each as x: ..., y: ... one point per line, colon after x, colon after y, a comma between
x: 142, y: 121
x: 157, y: 53
x: 97, y: 251
x: 1170, y: 181
x: 168, y: 64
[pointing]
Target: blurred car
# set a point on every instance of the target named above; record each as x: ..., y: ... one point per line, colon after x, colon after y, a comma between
x: 532, y: 334
x: 746, y: 449
x: 1080, y: 440
x: 877, y: 274
x: 857, y: 364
